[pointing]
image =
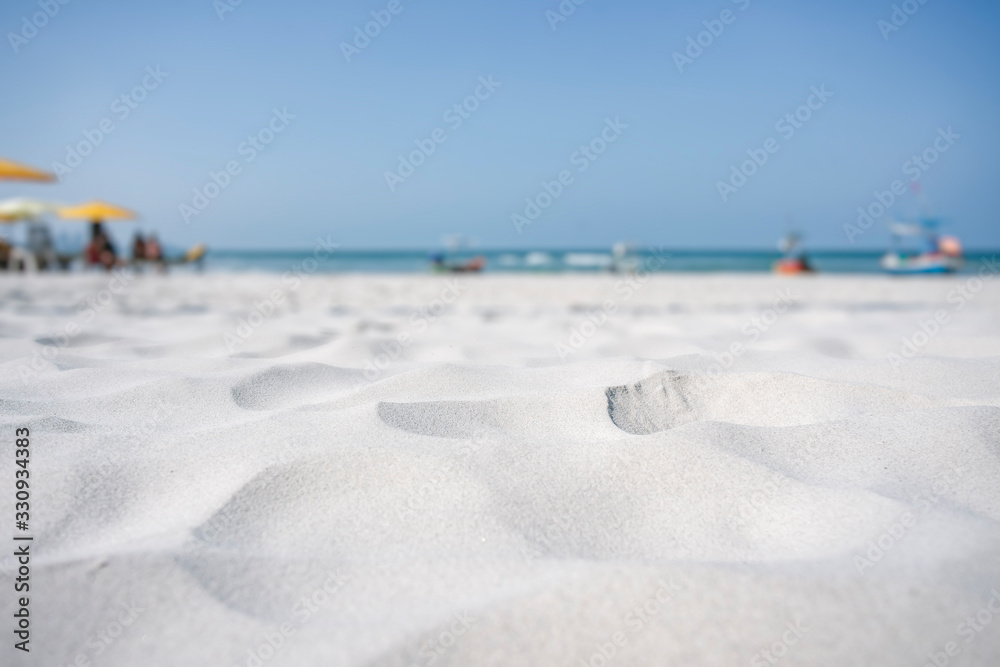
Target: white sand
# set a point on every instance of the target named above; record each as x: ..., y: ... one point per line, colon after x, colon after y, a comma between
x: 481, y: 501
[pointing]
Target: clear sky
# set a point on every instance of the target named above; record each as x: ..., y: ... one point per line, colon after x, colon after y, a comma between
x: 324, y: 172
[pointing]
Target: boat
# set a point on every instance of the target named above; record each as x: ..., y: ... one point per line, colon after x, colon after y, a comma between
x: 474, y: 265
x: 936, y: 254
x: 794, y: 262
x: 457, y: 243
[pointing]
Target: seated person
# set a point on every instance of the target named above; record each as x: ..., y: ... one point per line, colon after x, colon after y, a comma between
x: 138, y: 248
x: 154, y: 252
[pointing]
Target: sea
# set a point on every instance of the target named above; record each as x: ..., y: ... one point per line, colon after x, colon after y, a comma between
x: 546, y: 261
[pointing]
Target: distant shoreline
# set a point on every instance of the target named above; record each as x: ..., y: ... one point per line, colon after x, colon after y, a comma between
x: 553, y: 261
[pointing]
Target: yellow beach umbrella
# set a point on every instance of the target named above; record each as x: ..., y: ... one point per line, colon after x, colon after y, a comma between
x: 14, y: 171
x: 96, y: 211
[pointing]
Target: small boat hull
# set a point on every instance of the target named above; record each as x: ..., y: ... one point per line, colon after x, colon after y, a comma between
x: 791, y: 267
x: 920, y: 264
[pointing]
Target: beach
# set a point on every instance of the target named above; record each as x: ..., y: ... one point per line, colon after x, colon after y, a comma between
x: 392, y: 470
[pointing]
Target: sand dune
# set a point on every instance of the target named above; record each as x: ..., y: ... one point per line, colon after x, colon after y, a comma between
x: 380, y: 474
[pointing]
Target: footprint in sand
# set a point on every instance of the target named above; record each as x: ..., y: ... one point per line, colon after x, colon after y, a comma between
x: 670, y: 399
x: 658, y: 403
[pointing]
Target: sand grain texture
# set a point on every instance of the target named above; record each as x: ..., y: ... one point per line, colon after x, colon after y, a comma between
x: 482, y: 501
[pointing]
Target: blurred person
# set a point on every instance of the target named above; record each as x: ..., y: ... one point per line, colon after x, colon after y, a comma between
x: 154, y: 252
x: 5, y: 253
x: 92, y: 254
x: 101, y: 250
x: 138, y: 247
x: 39, y: 245
x: 108, y: 253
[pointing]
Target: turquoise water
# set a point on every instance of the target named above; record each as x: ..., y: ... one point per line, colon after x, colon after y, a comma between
x: 545, y: 261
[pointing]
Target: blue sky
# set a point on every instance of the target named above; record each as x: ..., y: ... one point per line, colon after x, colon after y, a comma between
x: 324, y: 172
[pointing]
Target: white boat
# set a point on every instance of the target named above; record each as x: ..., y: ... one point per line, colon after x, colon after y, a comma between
x: 939, y: 254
